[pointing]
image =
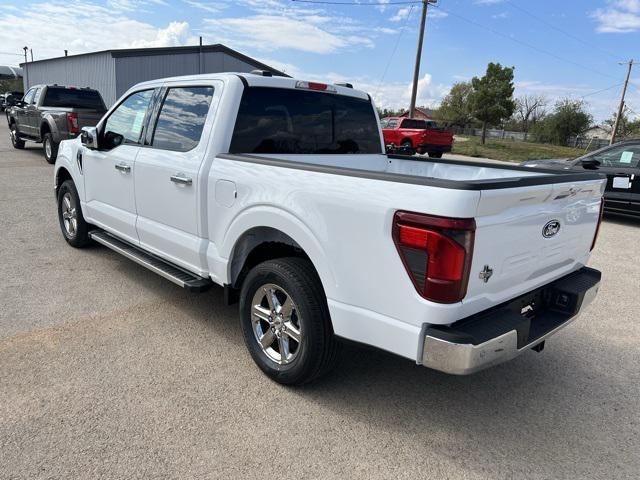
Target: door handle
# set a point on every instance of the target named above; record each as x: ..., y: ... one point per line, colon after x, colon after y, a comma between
x: 123, y: 167
x: 181, y: 179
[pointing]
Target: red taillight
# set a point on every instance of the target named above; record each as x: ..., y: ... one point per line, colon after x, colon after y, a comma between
x: 72, y: 122
x: 595, y: 236
x: 321, y: 87
x: 436, y: 253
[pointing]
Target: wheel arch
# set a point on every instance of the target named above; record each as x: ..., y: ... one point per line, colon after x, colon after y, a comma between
x: 62, y: 175
x: 268, y: 233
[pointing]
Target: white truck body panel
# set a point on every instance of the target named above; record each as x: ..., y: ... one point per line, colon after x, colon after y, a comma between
x: 342, y: 222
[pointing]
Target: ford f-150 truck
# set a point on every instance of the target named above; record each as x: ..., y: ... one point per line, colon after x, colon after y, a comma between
x: 416, y: 135
x: 280, y: 191
x: 49, y: 114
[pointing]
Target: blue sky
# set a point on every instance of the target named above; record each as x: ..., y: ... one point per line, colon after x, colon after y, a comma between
x: 569, y: 48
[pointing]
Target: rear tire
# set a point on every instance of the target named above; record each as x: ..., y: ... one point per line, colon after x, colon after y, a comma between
x: 74, y: 229
x: 285, y: 321
x: 435, y: 154
x: 15, y: 139
x: 50, y: 148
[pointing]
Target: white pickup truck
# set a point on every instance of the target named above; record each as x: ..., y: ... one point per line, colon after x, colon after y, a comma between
x: 280, y: 191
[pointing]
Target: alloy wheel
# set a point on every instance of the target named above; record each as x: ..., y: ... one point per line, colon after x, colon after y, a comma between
x: 276, y: 324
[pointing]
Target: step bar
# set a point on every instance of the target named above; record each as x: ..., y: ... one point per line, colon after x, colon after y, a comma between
x: 173, y: 273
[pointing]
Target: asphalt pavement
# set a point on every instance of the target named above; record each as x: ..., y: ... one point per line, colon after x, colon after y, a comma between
x: 108, y: 371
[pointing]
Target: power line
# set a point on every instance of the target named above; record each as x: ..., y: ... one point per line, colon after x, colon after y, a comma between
x: 558, y: 29
x: 11, y: 53
x: 523, y: 43
x: 603, y: 90
x: 357, y: 4
x: 395, y: 48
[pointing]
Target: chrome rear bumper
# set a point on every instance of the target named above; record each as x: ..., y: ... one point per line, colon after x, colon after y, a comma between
x: 463, y: 348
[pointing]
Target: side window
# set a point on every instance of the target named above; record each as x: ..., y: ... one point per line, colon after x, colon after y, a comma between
x: 36, y: 96
x: 29, y: 96
x: 181, y: 118
x: 125, y: 123
x: 620, y: 157
x: 406, y: 124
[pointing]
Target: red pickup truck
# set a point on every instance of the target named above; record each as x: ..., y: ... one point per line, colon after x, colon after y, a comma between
x: 422, y: 136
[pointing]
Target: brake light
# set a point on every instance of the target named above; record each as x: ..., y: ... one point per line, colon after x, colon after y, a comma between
x: 595, y: 236
x: 436, y: 252
x: 72, y: 122
x: 321, y: 87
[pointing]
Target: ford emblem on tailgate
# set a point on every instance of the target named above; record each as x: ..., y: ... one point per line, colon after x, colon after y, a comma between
x: 551, y: 228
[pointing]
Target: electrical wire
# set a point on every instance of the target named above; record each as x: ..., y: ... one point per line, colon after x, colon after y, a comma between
x: 558, y: 29
x: 358, y: 4
x: 395, y: 48
x: 523, y: 43
x: 603, y: 90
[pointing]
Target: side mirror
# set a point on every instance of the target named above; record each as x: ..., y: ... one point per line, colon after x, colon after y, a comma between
x: 590, y: 164
x: 89, y: 137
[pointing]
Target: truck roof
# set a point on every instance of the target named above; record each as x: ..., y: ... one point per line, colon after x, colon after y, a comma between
x: 255, y: 80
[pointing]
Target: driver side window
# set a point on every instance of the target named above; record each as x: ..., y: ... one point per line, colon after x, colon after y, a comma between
x: 621, y: 157
x: 29, y: 96
x: 125, y: 124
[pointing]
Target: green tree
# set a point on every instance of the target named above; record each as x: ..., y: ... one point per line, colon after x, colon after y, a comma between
x: 626, y: 127
x: 456, y: 108
x: 569, y: 118
x: 492, y: 97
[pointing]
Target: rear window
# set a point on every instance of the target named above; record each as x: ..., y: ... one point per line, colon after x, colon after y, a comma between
x: 286, y: 121
x: 419, y: 124
x: 73, y: 98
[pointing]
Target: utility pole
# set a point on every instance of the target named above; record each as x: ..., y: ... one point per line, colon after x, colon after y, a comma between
x: 26, y: 70
x: 416, y: 71
x: 614, y: 132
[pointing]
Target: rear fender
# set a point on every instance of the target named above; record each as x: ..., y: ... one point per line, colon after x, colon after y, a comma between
x: 49, y: 123
x: 287, y: 223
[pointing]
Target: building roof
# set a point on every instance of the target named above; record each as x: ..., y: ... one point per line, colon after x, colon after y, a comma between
x: 427, y: 112
x: 146, y: 52
x: 7, y: 72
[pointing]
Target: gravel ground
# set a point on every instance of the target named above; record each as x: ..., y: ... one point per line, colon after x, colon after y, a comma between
x: 109, y: 371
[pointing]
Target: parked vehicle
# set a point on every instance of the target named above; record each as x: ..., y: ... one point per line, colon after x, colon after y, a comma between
x: 49, y: 114
x: 414, y: 134
x: 620, y: 162
x: 279, y: 190
x: 9, y: 99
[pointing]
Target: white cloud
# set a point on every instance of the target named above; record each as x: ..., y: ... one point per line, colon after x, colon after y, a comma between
x: 401, y: 14
x: 620, y: 16
x: 102, y: 28
x: 269, y: 32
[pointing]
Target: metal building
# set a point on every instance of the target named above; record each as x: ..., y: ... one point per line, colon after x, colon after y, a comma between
x: 112, y: 72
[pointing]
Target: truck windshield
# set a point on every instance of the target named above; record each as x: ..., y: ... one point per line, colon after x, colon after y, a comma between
x: 73, y: 98
x: 286, y: 121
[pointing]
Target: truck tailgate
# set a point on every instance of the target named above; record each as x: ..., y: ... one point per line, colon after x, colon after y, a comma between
x: 88, y: 118
x: 438, y: 137
x: 531, y: 235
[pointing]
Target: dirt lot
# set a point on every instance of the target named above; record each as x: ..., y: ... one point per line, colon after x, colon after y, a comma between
x: 109, y: 371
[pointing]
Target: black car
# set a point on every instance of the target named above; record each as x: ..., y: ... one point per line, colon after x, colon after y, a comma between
x: 620, y: 162
x: 9, y: 99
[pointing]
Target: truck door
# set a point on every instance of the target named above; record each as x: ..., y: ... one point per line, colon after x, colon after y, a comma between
x: 21, y: 112
x: 620, y: 164
x: 109, y: 171
x: 32, y: 115
x: 171, y: 194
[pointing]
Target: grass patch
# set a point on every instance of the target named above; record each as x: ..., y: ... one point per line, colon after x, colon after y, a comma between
x: 513, y: 151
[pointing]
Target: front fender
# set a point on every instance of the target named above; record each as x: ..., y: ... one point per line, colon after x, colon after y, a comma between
x: 68, y: 160
x: 289, y: 224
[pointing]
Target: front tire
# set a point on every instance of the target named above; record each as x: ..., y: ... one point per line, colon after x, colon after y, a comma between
x: 74, y: 228
x: 50, y: 148
x: 285, y: 321
x: 16, y: 141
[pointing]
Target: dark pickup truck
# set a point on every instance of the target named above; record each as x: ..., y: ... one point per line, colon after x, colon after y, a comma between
x: 48, y: 114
